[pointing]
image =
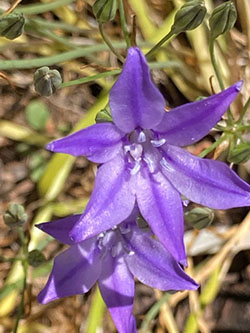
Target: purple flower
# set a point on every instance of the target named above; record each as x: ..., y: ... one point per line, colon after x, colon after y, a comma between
x: 112, y: 258
x: 142, y: 160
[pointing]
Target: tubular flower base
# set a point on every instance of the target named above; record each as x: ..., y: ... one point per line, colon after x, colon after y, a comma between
x: 142, y: 160
x: 112, y: 258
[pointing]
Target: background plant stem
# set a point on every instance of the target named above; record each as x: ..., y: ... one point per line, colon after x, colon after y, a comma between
x: 218, y: 76
x: 123, y: 23
x: 109, y: 44
x: 42, y: 8
x: 25, y: 273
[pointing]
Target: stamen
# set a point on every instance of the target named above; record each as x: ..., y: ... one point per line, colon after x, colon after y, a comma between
x: 158, y: 143
x: 126, y: 148
x: 166, y: 165
x: 131, y: 253
x: 124, y: 230
x: 136, y: 168
x: 185, y: 202
x: 136, y: 151
x: 114, y: 251
x: 142, y: 137
x: 150, y: 164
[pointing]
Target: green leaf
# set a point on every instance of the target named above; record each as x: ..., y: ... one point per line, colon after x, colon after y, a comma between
x: 37, y: 114
x: 104, y: 115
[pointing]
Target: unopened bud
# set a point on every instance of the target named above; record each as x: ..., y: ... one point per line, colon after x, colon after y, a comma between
x: 222, y: 19
x: 105, y: 10
x: 36, y: 258
x: 46, y: 81
x: 11, y: 26
x: 199, y: 217
x: 240, y: 153
x: 189, y: 16
x: 15, y: 216
x: 104, y: 115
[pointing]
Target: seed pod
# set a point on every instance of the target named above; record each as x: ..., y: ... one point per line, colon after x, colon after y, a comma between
x: 11, y: 26
x: 222, y: 19
x: 199, y: 217
x: 46, y: 81
x: 240, y: 153
x: 189, y: 16
x: 15, y: 216
x: 36, y: 258
x: 104, y: 115
x: 105, y: 10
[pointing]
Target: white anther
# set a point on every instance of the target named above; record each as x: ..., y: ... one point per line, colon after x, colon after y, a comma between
x: 142, y: 137
x: 136, y: 168
x: 150, y: 164
x: 158, y: 143
x: 126, y: 148
x: 136, y: 151
x: 131, y: 253
x: 166, y: 165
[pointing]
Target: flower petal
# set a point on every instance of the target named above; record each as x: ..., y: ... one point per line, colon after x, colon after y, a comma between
x: 152, y: 264
x: 60, y: 229
x: 99, y: 143
x: 207, y: 182
x: 161, y: 206
x: 190, y: 122
x: 134, y: 99
x: 116, y: 284
x: 111, y: 202
x: 74, y: 272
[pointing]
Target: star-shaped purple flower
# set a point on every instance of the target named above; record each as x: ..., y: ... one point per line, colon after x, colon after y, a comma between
x: 142, y: 160
x: 112, y: 258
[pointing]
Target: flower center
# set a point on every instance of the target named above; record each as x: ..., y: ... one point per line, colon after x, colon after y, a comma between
x: 112, y: 241
x: 143, y: 149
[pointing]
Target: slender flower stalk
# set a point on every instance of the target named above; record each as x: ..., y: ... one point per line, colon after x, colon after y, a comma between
x: 123, y: 22
x: 106, y: 40
x: 143, y: 162
x: 25, y: 265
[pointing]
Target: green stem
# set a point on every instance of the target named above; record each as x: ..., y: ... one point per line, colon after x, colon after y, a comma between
x: 57, y: 25
x: 70, y: 55
x: 62, y: 40
x: 4, y: 259
x: 107, y: 41
x: 42, y: 8
x: 243, y: 112
x: 89, y: 78
x: 217, y: 73
x: 159, y: 44
x: 123, y: 23
x: 152, y: 65
x: 153, y: 312
x: 218, y: 76
x: 55, y: 59
x: 213, y: 146
x: 25, y: 273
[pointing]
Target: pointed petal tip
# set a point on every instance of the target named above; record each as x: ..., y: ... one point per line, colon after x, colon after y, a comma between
x: 43, y: 298
x: 238, y: 85
x: 183, y: 262
x: 40, y: 226
x: 50, y: 146
x: 134, y: 50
